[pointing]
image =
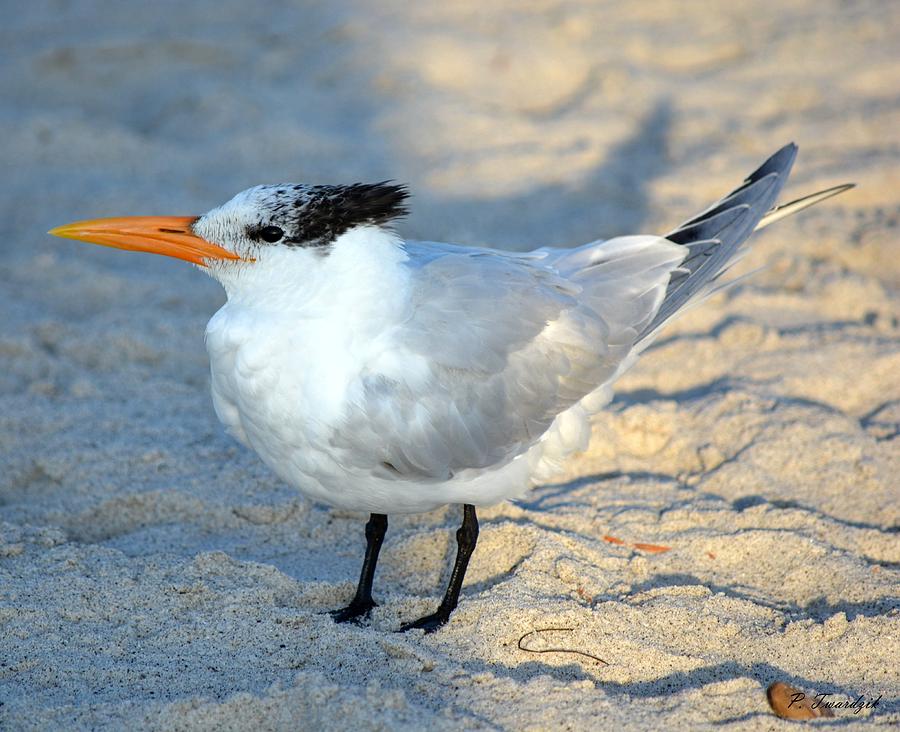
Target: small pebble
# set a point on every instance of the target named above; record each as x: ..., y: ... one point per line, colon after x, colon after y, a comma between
x: 790, y: 703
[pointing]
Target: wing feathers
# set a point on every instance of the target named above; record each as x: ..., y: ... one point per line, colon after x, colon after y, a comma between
x: 501, y: 345
x: 730, y: 221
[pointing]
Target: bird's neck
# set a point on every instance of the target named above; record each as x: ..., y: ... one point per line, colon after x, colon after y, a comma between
x: 360, y: 271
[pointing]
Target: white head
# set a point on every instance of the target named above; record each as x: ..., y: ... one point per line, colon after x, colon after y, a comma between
x: 298, y: 216
x: 263, y: 227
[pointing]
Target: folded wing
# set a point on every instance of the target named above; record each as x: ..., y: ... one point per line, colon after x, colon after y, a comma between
x: 496, y: 346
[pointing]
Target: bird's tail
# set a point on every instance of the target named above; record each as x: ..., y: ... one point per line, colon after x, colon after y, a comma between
x: 714, y: 237
x: 789, y: 209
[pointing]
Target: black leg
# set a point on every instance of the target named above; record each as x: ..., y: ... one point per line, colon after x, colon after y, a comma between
x: 466, y: 537
x: 362, y: 603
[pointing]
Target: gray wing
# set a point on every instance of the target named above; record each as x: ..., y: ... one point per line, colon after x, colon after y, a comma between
x: 499, y: 344
x: 496, y: 346
x: 715, y: 235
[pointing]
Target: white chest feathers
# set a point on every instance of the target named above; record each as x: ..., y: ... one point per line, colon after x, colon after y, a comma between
x: 287, y: 349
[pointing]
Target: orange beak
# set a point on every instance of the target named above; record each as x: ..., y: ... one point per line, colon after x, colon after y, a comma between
x: 168, y: 235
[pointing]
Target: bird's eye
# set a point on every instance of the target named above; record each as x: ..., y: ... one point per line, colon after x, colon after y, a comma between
x: 271, y: 234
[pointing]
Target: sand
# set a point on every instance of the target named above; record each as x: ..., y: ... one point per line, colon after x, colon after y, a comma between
x: 154, y: 575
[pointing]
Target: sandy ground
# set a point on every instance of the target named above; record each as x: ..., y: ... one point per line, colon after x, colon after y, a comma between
x: 154, y: 575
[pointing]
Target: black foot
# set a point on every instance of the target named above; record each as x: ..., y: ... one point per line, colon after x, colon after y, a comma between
x: 362, y: 603
x: 465, y: 543
x: 353, y: 612
x: 429, y: 623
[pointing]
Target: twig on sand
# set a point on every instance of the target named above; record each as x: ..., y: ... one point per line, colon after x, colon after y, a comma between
x: 555, y: 650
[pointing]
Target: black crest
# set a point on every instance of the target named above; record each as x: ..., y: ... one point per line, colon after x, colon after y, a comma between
x: 314, y: 216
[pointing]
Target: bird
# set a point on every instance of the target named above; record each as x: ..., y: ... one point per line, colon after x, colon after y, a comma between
x: 389, y: 376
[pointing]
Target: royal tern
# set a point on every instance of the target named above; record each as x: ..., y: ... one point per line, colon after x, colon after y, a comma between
x: 393, y: 376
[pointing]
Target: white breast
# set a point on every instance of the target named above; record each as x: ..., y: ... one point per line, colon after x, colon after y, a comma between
x: 279, y: 386
x: 292, y: 353
x: 288, y: 349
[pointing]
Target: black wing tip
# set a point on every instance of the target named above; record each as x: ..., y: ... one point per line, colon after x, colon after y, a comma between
x: 731, y: 220
x: 779, y: 162
x: 784, y: 152
x: 790, y: 149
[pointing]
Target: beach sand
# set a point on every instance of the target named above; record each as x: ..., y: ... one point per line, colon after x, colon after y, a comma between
x: 154, y: 575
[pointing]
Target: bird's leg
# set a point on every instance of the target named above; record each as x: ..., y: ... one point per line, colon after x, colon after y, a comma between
x: 466, y: 537
x: 362, y: 603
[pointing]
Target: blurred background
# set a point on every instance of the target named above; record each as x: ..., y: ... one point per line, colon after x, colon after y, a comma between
x: 517, y: 124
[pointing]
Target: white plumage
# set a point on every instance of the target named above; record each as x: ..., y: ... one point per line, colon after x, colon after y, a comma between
x: 406, y: 375
x: 394, y: 376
